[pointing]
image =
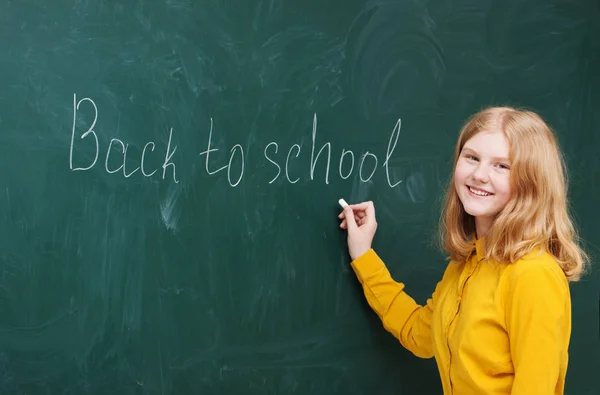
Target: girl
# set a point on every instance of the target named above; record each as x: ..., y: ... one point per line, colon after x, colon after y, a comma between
x: 499, y: 321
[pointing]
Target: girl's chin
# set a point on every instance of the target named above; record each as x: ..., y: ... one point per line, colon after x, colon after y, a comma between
x: 478, y: 211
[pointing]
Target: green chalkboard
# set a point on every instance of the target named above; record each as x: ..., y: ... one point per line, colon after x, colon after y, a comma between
x: 170, y: 172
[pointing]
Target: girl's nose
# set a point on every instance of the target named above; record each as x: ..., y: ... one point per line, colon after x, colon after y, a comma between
x: 481, y: 173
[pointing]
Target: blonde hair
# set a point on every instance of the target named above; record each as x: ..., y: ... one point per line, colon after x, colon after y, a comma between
x: 536, y: 215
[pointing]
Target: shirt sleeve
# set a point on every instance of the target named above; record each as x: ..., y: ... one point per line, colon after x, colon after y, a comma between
x: 399, y: 313
x: 538, y: 324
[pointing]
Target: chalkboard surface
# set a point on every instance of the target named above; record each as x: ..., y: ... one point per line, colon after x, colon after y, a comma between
x: 170, y: 172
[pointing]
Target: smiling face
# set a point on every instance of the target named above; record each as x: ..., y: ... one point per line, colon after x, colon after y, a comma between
x: 482, y: 177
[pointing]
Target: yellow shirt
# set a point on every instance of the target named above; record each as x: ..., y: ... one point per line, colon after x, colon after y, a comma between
x: 493, y: 328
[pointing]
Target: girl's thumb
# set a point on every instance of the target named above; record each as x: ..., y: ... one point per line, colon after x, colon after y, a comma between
x: 350, y: 221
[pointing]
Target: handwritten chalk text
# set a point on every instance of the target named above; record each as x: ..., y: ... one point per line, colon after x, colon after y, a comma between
x: 282, y: 163
x: 113, y: 149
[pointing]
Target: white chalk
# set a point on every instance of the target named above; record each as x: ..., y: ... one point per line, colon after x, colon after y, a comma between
x: 342, y: 203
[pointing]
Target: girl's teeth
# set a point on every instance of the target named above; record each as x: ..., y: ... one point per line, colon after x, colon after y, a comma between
x: 480, y: 193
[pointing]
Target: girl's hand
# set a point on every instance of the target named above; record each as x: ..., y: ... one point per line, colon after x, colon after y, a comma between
x: 359, y: 220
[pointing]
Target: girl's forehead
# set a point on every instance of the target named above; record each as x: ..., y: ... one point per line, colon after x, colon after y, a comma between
x: 490, y: 142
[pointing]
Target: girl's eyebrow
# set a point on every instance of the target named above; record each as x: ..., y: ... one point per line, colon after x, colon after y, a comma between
x: 469, y: 150
x: 472, y: 151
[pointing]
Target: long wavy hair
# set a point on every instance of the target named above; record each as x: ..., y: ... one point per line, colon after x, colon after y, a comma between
x: 537, y: 214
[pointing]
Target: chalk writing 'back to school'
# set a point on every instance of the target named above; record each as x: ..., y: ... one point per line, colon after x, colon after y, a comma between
x: 279, y: 159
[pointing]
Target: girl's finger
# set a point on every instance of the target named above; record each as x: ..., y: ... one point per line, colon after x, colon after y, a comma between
x: 370, y: 209
x: 360, y: 206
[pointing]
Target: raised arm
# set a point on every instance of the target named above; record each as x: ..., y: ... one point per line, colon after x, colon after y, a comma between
x: 400, y: 314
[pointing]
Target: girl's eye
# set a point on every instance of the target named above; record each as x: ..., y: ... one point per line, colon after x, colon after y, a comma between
x: 471, y: 157
x: 503, y: 166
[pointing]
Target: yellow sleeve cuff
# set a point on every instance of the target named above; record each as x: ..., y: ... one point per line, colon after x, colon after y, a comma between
x: 367, y: 265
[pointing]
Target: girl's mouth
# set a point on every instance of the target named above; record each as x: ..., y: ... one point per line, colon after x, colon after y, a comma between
x: 478, y: 192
